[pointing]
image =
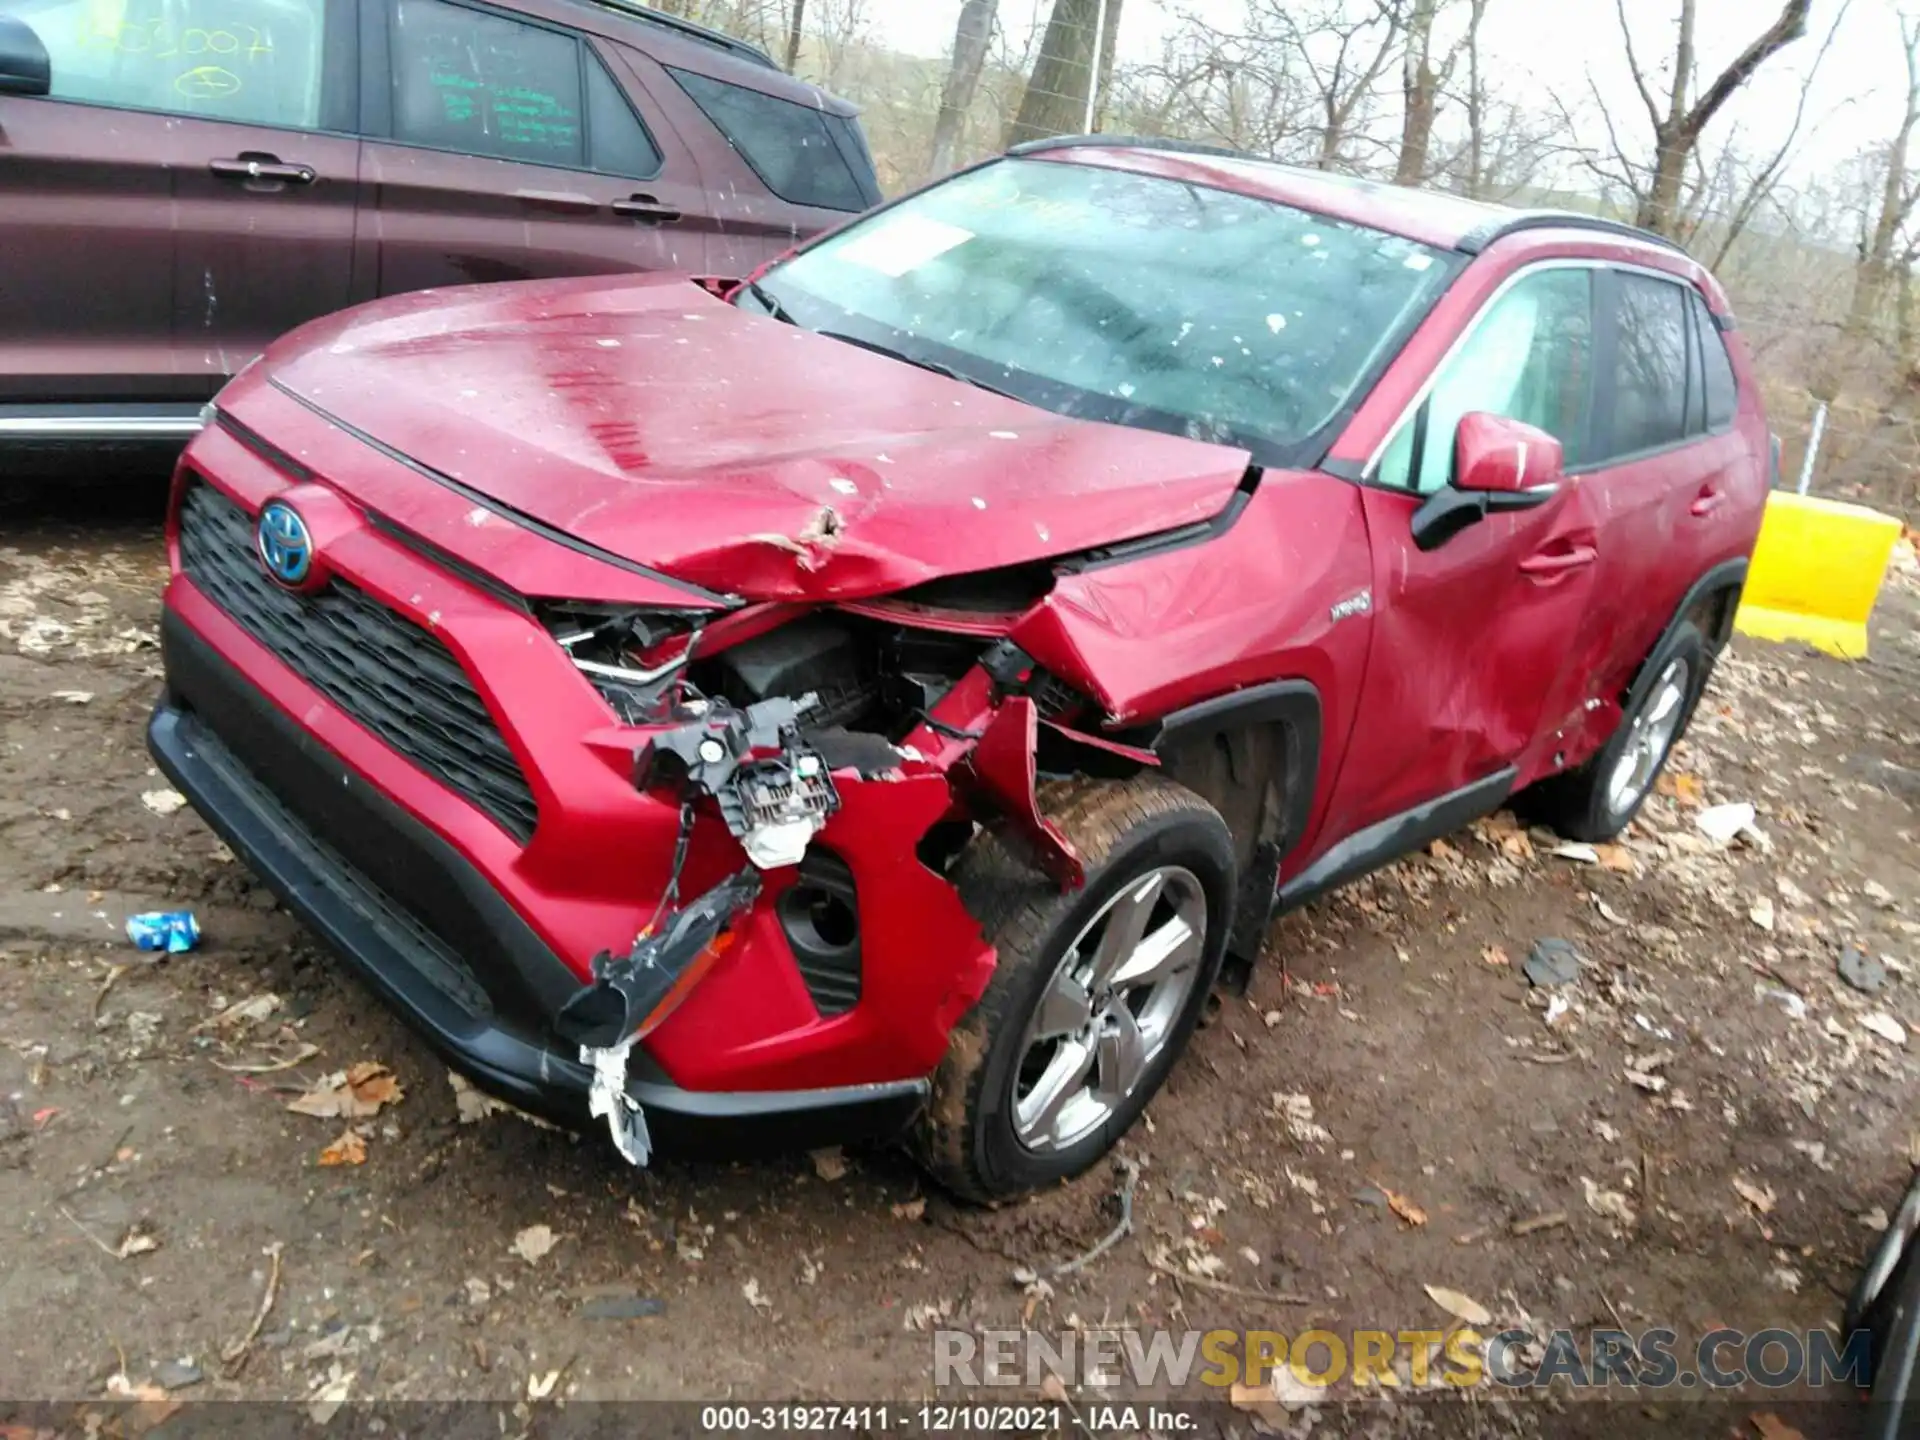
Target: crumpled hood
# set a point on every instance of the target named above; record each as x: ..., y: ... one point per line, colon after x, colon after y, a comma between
x: 645, y: 417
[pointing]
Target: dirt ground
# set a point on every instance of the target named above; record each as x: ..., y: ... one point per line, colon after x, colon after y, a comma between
x: 1705, y: 1137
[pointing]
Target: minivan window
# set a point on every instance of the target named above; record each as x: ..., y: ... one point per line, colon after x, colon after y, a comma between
x: 1723, y: 392
x: 485, y: 85
x: 1650, y: 371
x: 1054, y: 281
x: 255, y: 62
x: 788, y: 145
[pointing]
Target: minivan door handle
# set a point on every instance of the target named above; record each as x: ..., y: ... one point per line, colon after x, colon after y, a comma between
x: 257, y: 165
x: 646, y: 209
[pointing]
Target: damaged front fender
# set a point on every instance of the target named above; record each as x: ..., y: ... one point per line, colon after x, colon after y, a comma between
x: 1003, y: 769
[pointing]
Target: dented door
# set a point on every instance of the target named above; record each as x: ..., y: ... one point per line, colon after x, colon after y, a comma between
x: 1471, y: 649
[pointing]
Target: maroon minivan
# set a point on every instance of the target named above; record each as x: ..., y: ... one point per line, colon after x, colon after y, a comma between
x: 183, y: 180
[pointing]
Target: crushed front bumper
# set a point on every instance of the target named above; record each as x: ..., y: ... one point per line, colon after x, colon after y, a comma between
x: 338, y: 852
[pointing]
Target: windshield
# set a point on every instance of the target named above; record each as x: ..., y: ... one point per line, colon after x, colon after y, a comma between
x: 1121, y: 297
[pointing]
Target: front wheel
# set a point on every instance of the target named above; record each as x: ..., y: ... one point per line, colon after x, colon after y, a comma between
x: 1599, y: 800
x: 1095, y: 993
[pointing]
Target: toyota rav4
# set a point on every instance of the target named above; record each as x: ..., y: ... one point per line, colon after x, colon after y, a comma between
x: 884, y: 700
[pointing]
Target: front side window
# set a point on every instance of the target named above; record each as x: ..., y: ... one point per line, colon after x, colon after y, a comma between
x: 255, y: 62
x: 1650, y: 372
x: 485, y: 85
x: 1126, y: 298
x: 1529, y: 357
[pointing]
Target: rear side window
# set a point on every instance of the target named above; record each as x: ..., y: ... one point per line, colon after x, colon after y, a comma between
x: 1650, y: 372
x: 255, y: 62
x: 485, y: 85
x: 1722, y: 391
x: 789, y: 146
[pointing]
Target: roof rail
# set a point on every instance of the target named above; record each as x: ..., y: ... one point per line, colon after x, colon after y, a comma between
x: 691, y: 29
x: 1474, y: 241
x: 1127, y: 142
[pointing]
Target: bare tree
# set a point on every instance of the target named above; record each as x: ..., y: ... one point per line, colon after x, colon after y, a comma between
x: 1055, y: 102
x: 971, y: 38
x: 1342, y: 48
x: 1881, y: 260
x: 796, y: 23
x: 1679, y: 121
x: 1422, y: 81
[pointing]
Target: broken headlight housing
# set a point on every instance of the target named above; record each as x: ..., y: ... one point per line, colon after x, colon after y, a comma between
x: 632, y: 655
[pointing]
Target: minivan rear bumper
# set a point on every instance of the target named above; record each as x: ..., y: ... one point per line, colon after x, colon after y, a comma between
x: 426, y: 982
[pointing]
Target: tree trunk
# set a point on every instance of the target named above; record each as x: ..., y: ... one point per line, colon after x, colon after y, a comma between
x: 795, y: 21
x: 1677, y: 133
x: 1419, y: 88
x: 1055, y: 102
x: 1877, y: 258
x: 1109, y: 41
x: 970, y: 41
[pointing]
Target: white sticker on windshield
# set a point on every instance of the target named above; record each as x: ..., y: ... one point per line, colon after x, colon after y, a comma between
x: 903, y: 243
x: 1418, y: 262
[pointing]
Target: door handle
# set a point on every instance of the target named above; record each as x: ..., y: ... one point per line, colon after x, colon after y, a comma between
x: 646, y: 209
x: 1706, y: 502
x: 1559, y: 562
x: 249, y: 165
x: 557, y: 200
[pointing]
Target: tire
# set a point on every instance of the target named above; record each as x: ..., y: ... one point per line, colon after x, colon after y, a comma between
x: 1600, y: 799
x: 1153, y: 850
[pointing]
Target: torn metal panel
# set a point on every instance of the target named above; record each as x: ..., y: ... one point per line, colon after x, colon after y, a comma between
x: 1002, y: 767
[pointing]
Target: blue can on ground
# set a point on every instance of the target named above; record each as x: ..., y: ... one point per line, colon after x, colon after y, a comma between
x: 173, y: 931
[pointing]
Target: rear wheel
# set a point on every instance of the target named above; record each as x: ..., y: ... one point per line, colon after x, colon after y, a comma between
x: 1600, y: 799
x: 1095, y: 992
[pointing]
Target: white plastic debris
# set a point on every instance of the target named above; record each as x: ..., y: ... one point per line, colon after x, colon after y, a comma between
x: 608, y: 1097
x: 1885, y: 1026
x: 1720, y: 823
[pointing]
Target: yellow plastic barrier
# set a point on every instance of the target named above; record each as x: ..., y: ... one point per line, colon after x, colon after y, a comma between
x: 1816, y: 570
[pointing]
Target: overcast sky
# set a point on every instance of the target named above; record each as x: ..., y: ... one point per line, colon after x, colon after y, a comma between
x: 1548, y: 46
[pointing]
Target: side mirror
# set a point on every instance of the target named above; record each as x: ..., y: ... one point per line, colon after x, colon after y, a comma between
x: 1495, y: 455
x: 1499, y: 466
x: 25, y: 68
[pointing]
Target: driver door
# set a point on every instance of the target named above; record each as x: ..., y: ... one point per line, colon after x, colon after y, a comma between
x: 1475, y: 661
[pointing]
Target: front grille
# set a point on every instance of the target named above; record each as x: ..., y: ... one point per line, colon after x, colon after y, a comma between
x: 391, y: 675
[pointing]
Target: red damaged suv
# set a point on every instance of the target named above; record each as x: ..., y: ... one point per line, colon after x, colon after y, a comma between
x: 881, y: 702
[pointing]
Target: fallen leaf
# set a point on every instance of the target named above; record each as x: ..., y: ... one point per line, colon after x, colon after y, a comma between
x: 1577, y: 851
x: 830, y: 1163
x: 1441, y: 850
x: 1647, y: 1080
x: 163, y: 802
x: 1762, y: 912
x: 1494, y: 955
x: 1616, y: 858
x: 471, y: 1104
x: 1720, y: 823
x: 74, y: 697
x: 1608, y: 1203
x: 533, y: 1243
x: 911, y: 1209
x: 349, y: 1149
x: 755, y: 1297
x: 539, y: 1387
x: 1768, y: 1426
x: 1402, y: 1206
x: 1461, y: 1307
x: 1759, y: 1198
x: 1687, y: 789
x: 351, y: 1094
